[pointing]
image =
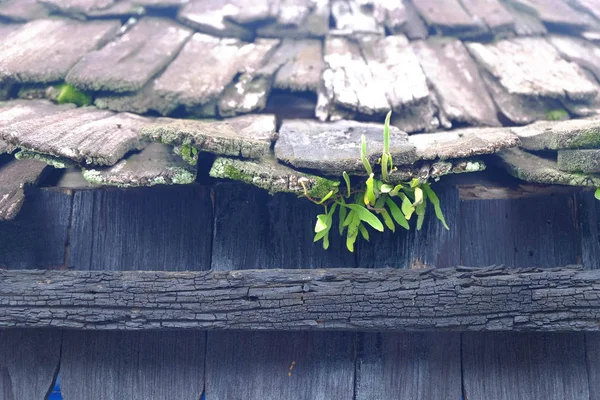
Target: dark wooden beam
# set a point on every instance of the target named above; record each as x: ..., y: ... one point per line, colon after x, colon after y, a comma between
x: 468, y: 299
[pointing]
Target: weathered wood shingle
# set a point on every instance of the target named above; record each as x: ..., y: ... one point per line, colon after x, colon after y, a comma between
x: 44, y: 50
x: 146, y: 49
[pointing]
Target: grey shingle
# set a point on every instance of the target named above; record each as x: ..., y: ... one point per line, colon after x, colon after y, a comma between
x: 128, y: 63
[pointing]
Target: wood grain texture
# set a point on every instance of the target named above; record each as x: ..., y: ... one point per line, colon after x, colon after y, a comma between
x: 508, y: 366
x: 153, y: 229
x: 592, y: 349
x: 536, y: 231
x: 133, y: 365
x: 589, y: 225
x: 491, y: 299
x: 28, y: 363
x: 274, y: 232
x: 280, y: 365
x: 36, y: 238
x: 433, y: 245
x: 14, y: 177
x: 419, y: 366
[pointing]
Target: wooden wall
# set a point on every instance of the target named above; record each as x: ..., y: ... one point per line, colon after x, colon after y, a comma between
x: 234, y: 226
x: 301, y: 365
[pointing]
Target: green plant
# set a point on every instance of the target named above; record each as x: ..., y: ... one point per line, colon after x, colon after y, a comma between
x: 597, y: 194
x: 70, y: 94
x: 376, y: 203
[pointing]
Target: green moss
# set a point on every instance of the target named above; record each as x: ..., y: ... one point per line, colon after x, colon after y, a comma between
x: 556, y: 115
x: 234, y: 173
x: 589, y: 139
x: 188, y: 153
x: 70, y: 94
x: 56, y: 162
x: 322, y: 187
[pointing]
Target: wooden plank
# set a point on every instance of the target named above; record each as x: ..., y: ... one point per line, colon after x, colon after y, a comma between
x: 580, y: 51
x: 22, y: 10
x: 455, y: 77
x: 27, y: 56
x: 147, y: 48
x: 555, y: 13
x: 352, y: 19
x: 156, y: 164
x: 419, y: 366
x: 433, y: 245
x: 29, y: 362
x: 449, y: 18
x: 206, y: 66
x: 132, y: 365
x: 280, y: 365
x: 460, y: 299
x: 142, y: 229
x: 36, y: 237
x: 298, y: 19
x: 14, y: 178
x: 495, y: 15
x: 278, y: 232
x: 83, y: 135
x: 508, y: 366
x: 588, y: 214
x: 592, y: 348
x: 527, y: 77
x: 537, y: 231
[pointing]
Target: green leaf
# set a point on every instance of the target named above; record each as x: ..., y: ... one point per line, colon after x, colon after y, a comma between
x: 420, y: 211
x: 326, y: 241
x: 388, y: 220
x: 349, y: 218
x: 322, y: 223
x: 363, y: 155
x: 380, y: 202
x: 386, y: 134
x: 407, y: 207
x: 597, y: 194
x: 385, y: 188
x: 327, y: 196
x: 347, y: 179
x: 414, y: 182
x: 396, y: 190
x: 366, y: 216
x: 320, y: 235
x: 384, y: 166
x: 397, y: 214
x: 364, y: 232
x: 418, y: 196
x: 370, y: 194
x: 343, y: 212
x: 352, y: 232
x: 436, y: 204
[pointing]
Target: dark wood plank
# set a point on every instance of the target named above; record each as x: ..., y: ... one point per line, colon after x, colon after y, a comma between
x: 509, y: 366
x: 592, y: 348
x: 432, y: 246
x: 255, y: 230
x: 589, y: 223
x: 162, y: 228
x: 28, y: 363
x: 277, y: 365
x: 14, y: 177
x: 133, y: 366
x: 36, y: 238
x: 475, y: 299
x: 536, y: 231
x: 416, y: 366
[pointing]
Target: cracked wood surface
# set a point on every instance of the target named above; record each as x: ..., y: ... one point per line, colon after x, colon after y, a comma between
x: 461, y: 298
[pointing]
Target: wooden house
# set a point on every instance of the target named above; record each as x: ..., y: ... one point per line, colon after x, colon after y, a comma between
x: 157, y: 242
